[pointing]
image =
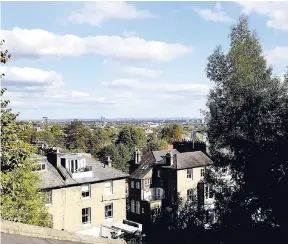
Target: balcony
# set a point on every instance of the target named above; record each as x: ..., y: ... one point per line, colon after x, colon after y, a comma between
x: 81, y: 172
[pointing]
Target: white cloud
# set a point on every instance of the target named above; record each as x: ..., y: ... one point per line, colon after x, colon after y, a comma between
x: 37, y: 43
x: 217, y: 14
x: 129, y: 33
x: 36, y: 88
x: 277, y: 12
x: 199, y: 89
x: 30, y: 78
x: 98, y: 12
x: 277, y: 54
x: 150, y: 73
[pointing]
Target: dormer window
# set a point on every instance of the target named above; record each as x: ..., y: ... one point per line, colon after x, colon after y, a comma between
x: 41, y: 166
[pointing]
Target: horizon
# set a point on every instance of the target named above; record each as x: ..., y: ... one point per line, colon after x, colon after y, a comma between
x: 135, y: 59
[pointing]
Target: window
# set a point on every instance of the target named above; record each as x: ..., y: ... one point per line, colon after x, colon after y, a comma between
x: 108, y: 188
x: 109, y: 211
x: 138, y: 185
x: 158, y: 193
x: 190, y: 174
x: 51, y: 219
x: 208, y: 192
x: 148, y: 181
x: 137, y: 207
x: 40, y: 166
x: 86, y: 215
x: 132, y: 184
x: 132, y: 206
x: 86, y: 191
x: 202, y: 172
x: 49, y: 197
x: 142, y: 210
x: 158, y: 173
x: 190, y: 195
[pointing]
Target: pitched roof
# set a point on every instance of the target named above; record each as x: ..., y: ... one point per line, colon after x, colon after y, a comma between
x: 52, y: 178
x: 15, y: 233
x: 181, y: 161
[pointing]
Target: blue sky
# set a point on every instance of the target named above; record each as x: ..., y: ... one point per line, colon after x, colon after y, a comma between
x: 124, y: 59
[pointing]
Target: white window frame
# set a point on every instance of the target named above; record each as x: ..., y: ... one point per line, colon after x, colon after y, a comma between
x: 142, y: 210
x: 158, y: 173
x: 189, y: 174
x: 132, y: 206
x: 137, y: 185
x: 202, y: 173
x: 50, y: 198
x: 208, y: 194
x: 137, y: 207
x: 158, y: 194
x: 39, y: 167
x: 86, y: 213
x: 86, y: 189
x: 108, y: 209
x: 108, y: 188
x: 149, y: 181
x: 74, y: 165
x: 190, y: 195
x: 132, y: 184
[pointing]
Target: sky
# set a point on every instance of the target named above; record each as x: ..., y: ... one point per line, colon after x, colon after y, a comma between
x: 124, y: 59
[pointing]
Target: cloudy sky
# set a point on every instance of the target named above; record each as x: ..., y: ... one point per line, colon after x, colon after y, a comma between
x: 124, y: 59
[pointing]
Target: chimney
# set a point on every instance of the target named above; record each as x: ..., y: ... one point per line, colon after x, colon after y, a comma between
x: 54, y: 158
x: 108, y: 161
x: 169, y: 158
x: 137, y: 156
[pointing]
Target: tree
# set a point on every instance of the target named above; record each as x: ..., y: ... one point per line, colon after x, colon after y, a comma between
x: 132, y: 137
x: 77, y: 136
x: 248, y: 112
x: 171, y: 132
x: 21, y: 200
x: 119, y: 154
x: 155, y: 144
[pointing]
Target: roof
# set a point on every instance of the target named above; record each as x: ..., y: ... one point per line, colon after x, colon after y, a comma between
x: 181, y: 161
x: 15, y: 233
x: 51, y: 177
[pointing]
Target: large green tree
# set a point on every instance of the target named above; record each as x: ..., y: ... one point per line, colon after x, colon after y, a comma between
x: 21, y: 200
x: 132, y: 137
x: 171, y: 132
x: 247, y: 125
x: 77, y: 136
x: 155, y: 144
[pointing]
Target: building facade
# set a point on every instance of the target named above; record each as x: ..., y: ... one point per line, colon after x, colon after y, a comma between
x: 83, y: 195
x: 161, y: 178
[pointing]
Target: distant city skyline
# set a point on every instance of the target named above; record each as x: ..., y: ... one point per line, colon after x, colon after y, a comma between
x: 124, y: 59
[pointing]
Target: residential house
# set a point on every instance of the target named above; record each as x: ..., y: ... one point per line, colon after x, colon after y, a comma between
x: 161, y: 178
x: 84, y: 195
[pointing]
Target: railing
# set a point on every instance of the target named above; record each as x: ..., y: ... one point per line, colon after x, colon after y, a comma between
x: 84, y: 169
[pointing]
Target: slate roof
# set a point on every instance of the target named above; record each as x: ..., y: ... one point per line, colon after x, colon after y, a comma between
x: 181, y: 161
x: 16, y: 233
x: 53, y: 178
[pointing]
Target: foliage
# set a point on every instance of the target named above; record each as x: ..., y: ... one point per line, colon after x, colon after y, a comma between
x: 21, y: 201
x: 119, y: 154
x: 20, y: 198
x: 77, y: 136
x: 171, y: 132
x: 132, y: 137
x: 248, y: 112
x: 155, y: 144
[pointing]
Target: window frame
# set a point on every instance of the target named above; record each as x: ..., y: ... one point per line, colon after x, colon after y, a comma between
x: 208, y: 193
x: 89, y: 191
x: 158, y: 173
x: 132, y: 204
x: 132, y: 184
x: 86, y: 215
x: 138, y: 207
x: 108, y: 210
x: 50, y: 198
x: 138, y: 185
x: 190, y: 173
x: 202, y: 172
x: 190, y: 196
